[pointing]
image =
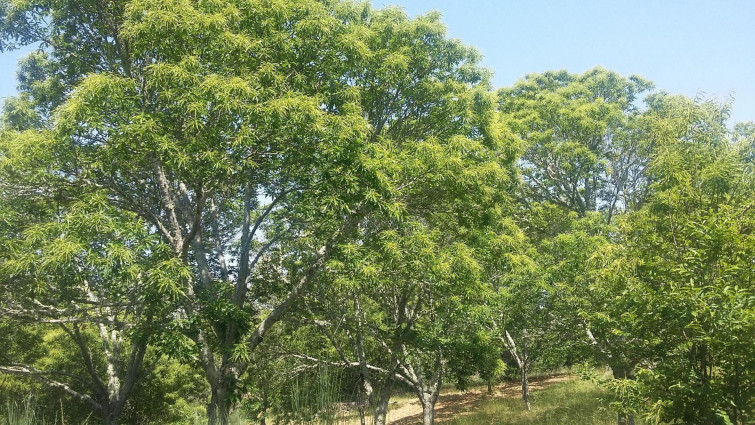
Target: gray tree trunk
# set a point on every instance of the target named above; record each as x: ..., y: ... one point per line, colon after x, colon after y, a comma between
x: 380, y: 411
x: 110, y: 418
x: 428, y: 409
x: 380, y: 397
x: 524, y: 364
x: 526, y: 388
x: 219, y: 409
x: 360, y: 407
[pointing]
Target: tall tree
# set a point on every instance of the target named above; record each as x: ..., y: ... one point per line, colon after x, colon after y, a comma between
x: 191, y: 116
x: 417, y: 316
x: 582, y: 151
x: 251, y: 136
x: 585, y: 152
x: 433, y: 111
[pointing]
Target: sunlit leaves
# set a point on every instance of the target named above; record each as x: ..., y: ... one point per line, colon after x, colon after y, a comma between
x: 583, y: 150
x: 683, y: 269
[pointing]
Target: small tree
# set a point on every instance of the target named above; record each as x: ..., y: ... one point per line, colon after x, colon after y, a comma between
x: 690, y: 250
x: 70, y: 261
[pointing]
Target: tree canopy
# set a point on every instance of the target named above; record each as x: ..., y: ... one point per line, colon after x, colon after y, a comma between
x: 223, y: 204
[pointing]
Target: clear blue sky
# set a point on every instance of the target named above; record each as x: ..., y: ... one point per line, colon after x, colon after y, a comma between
x: 685, y: 47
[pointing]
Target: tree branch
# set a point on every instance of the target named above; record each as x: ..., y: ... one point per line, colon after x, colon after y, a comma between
x: 40, y: 376
x: 321, y: 256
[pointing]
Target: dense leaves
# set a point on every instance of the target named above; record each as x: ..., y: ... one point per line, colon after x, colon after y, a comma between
x: 280, y: 205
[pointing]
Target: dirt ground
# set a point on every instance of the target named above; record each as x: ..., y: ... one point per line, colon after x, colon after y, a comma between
x: 453, y: 403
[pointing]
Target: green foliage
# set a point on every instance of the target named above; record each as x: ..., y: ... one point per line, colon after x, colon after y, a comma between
x: 176, y: 177
x: 685, y: 263
x: 583, y: 150
x: 172, y: 394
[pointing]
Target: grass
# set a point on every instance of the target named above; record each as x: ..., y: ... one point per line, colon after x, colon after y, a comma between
x: 574, y: 402
x: 20, y: 413
x: 236, y: 418
x: 555, y: 401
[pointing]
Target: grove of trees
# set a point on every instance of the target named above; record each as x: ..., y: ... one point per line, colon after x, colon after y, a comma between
x: 215, y: 206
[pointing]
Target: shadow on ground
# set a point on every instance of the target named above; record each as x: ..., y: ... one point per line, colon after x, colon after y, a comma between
x: 453, y: 405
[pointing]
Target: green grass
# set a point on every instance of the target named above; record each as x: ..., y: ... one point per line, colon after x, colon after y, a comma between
x: 20, y: 413
x: 568, y: 403
x: 574, y: 402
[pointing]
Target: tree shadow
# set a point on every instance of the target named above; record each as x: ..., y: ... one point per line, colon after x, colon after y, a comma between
x: 453, y: 405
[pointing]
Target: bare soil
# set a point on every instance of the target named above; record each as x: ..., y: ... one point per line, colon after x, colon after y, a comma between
x: 453, y: 403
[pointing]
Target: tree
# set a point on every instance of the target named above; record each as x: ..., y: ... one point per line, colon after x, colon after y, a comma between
x: 530, y: 325
x: 193, y: 136
x: 533, y: 265
x: 71, y: 262
x: 691, y: 254
x: 431, y: 104
x: 602, y: 304
x: 582, y: 150
x: 251, y: 137
x: 586, y: 150
x: 416, y: 317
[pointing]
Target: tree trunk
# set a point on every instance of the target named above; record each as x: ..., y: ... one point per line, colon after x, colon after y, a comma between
x: 523, y: 362
x: 623, y: 372
x: 490, y: 386
x: 380, y: 411
x: 428, y: 391
x: 622, y: 418
x: 526, y: 388
x: 111, y: 413
x: 362, y: 420
x: 219, y: 408
x: 110, y: 418
x: 380, y: 397
x: 360, y: 403
x: 428, y: 410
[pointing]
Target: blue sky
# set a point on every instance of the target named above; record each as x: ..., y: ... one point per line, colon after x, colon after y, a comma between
x: 686, y: 47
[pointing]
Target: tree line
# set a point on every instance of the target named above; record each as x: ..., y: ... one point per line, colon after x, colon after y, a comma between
x: 218, y: 202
